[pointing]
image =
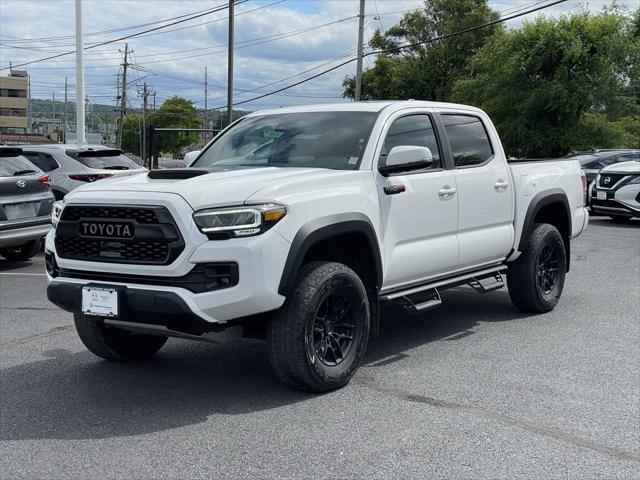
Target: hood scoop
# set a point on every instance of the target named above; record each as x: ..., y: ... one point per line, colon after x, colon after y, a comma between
x: 176, y: 173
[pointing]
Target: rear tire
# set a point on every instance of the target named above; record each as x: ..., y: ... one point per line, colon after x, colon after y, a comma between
x: 21, y: 253
x: 317, y: 340
x: 536, y: 278
x: 116, y: 344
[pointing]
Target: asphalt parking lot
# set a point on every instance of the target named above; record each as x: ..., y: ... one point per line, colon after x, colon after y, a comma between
x: 473, y: 389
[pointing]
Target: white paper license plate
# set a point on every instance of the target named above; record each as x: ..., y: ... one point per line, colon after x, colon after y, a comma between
x: 601, y: 195
x: 20, y: 210
x: 100, y: 301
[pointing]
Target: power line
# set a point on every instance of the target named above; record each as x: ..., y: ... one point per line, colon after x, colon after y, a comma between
x: 216, y: 9
x: 401, y: 47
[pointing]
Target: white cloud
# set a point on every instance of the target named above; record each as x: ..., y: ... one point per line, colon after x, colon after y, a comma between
x: 206, y: 45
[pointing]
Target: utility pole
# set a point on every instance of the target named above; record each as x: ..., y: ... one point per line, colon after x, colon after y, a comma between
x: 64, y: 127
x: 123, y: 99
x: 206, y: 124
x: 230, y: 65
x: 80, y: 139
x: 360, y: 52
x: 154, y: 100
x: 145, y: 95
x: 54, y: 112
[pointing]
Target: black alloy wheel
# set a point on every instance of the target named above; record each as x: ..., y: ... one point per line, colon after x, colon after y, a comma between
x: 334, y: 329
x: 547, y: 269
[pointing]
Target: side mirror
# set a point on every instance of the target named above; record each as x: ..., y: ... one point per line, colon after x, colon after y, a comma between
x: 404, y: 158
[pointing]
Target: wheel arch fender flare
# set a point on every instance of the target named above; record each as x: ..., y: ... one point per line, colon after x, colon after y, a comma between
x: 321, y: 229
x: 538, y: 202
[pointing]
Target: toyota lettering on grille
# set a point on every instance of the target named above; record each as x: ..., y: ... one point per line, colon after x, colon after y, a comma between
x: 114, y: 230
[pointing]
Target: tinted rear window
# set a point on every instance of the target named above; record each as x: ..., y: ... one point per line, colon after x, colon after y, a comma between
x: 10, y: 166
x: 468, y: 139
x: 117, y: 161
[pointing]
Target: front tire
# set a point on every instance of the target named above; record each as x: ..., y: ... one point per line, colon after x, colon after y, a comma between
x: 21, y: 253
x: 317, y: 340
x: 115, y: 344
x: 536, y: 278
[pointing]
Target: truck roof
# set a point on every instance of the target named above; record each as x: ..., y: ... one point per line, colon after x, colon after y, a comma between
x: 376, y: 106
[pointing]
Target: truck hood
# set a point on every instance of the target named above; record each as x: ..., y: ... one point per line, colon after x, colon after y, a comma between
x: 218, y: 188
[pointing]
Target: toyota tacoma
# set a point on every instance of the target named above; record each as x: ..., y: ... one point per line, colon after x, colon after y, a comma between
x: 296, y: 225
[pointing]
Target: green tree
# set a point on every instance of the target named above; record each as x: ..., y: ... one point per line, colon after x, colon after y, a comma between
x: 131, y: 134
x: 175, y: 112
x: 553, y: 85
x: 425, y: 71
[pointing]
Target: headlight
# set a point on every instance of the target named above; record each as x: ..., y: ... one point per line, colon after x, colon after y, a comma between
x: 634, y: 180
x: 239, y: 221
x: 56, y: 212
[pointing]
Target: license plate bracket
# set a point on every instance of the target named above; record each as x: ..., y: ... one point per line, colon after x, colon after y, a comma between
x: 18, y: 211
x: 101, y: 301
x: 600, y: 195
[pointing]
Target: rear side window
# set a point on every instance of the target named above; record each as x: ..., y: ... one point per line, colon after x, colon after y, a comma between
x: 412, y: 130
x: 629, y: 157
x: 43, y: 161
x: 468, y: 139
x: 14, y: 166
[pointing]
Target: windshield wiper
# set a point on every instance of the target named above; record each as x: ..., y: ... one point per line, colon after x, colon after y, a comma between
x: 23, y: 172
x: 115, y: 167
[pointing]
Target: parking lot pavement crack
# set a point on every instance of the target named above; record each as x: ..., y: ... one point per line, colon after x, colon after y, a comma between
x: 368, y: 382
x: 38, y: 336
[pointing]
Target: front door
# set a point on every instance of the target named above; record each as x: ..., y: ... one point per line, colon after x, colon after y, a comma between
x: 419, y: 209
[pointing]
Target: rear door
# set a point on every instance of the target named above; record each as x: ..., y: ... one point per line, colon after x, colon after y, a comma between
x: 419, y: 209
x: 485, y: 193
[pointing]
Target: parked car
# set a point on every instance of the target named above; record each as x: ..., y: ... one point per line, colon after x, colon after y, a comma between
x: 348, y: 207
x: 592, y: 162
x: 25, y: 205
x: 71, y: 166
x: 616, y: 191
x: 191, y: 156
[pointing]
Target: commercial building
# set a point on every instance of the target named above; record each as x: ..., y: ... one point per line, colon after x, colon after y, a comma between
x: 14, y: 102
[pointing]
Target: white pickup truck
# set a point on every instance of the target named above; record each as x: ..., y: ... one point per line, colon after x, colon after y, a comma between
x: 295, y: 225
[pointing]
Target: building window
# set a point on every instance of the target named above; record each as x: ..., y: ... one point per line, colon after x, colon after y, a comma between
x: 13, y: 92
x: 13, y: 112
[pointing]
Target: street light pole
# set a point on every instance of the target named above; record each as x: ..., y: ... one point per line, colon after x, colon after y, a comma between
x: 80, y: 138
x: 358, y: 92
x: 230, y: 65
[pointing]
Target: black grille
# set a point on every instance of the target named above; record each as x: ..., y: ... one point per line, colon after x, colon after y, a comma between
x: 608, y: 180
x: 156, y: 239
x: 140, y: 215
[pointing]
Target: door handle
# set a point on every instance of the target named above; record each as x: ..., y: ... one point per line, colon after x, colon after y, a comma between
x: 501, y: 185
x: 446, y: 192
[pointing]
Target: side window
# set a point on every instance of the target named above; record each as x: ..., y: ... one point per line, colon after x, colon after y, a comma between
x: 412, y: 130
x: 43, y: 161
x: 629, y: 157
x: 468, y: 139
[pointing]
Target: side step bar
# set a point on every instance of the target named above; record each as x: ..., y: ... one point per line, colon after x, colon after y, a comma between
x: 423, y: 297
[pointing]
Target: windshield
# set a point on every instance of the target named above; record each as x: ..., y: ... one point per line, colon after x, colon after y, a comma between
x: 333, y: 140
x: 13, y: 166
x: 104, y: 159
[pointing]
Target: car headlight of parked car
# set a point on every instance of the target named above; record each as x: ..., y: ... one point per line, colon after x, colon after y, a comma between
x: 241, y: 221
x: 634, y: 180
x: 56, y: 212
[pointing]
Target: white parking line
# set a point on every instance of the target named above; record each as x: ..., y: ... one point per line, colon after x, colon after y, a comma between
x: 28, y: 274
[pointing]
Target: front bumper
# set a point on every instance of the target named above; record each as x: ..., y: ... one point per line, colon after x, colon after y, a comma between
x: 22, y: 231
x: 624, y: 201
x: 260, y: 262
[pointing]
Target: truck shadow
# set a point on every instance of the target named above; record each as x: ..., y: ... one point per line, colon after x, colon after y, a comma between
x: 77, y: 396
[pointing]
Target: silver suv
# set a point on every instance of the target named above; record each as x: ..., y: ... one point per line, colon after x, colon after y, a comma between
x: 25, y: 205
x: 71, y: 166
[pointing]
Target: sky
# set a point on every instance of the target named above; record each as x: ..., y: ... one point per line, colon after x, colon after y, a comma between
x: 277, y: 43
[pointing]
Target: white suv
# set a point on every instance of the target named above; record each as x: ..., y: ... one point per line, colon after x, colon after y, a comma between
x: 294, y: 225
